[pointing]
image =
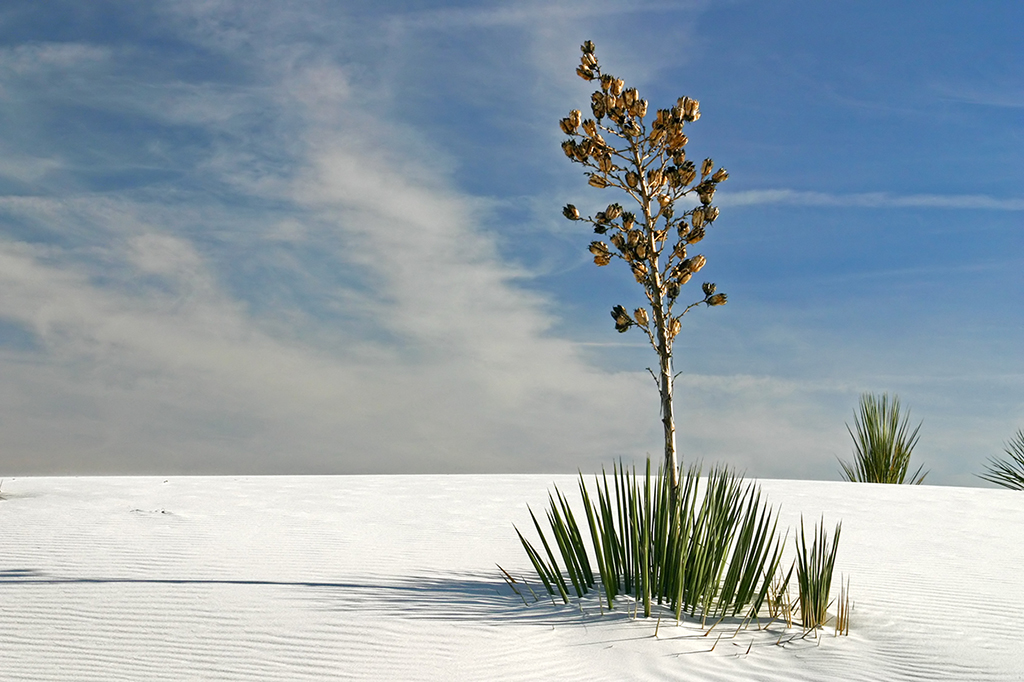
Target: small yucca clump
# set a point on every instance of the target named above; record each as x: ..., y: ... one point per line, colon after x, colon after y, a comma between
x: 882, y: 443
x: 1009, y: 473
x: 645, y: 158
x: 814, y: 566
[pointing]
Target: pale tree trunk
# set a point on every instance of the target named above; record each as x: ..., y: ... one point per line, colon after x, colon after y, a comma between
x: 664, y: 348
x: 668, y: 417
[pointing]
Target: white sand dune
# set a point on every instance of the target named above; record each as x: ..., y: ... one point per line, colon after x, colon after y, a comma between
x: 394, y: 578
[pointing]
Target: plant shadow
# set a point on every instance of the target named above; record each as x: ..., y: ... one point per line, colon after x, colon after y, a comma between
x: 466, y: 597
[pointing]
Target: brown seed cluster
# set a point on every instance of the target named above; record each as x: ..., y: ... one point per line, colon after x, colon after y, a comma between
x: 645, y: 157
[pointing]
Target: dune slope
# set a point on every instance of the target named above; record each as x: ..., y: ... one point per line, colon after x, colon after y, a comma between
x: 393, y: 577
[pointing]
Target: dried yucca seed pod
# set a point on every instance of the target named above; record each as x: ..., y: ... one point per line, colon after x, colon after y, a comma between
x: 697, y: 217
x: 673, y: 327
x: 630, y: 96
x: 640, y: 273
x: 597, y: 105
x: 589, y: 127
x: 627, y: 220
x: 632, y: 238
x: 672, y: 176
x: 598, y: 181
x: 655, y: 178
x: 588, y: 60
x: 706, y: 167
x: 708, y: 287
x: 684, y: 277
x: 613, y: 211
x: 721, y: 175
x: 689, y: 109
x: 621, y: 317
x: 640, y: 315
x: 602, y: 256
x: 632, y: 128
x: 619, y: 241
x: 641, y: 250
x: 571, y: 212
x: 696, y: 234
x: 584, y: 73
x: 676, y: 141
x: 604, y: 162
x: 616, y: 86
x: 567, y: 127
x: 680, y: 250
x: 717, y: 299
x: 672, y: 289
x: 632, y: 179
x: 710, y: 213
x: 696, y: 263
x: 606, y: 81
x: 641, y: 109
x: 587, y: 47
x: 706, y: 193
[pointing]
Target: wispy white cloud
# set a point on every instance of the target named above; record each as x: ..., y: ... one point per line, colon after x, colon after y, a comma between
x: 531, y: 14
x: 869, y: 200
x: 35, y: 58
x: 990, y: 91
x: 145, y: 360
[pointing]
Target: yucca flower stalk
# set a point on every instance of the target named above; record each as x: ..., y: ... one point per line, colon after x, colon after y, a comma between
x: 643, y: 155
x: 1009, y: 473
x: 882, y: 444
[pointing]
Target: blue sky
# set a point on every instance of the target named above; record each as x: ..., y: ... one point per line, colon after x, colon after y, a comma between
x: 326, y: 237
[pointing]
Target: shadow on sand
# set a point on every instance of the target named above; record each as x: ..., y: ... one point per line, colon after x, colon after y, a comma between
x: 469, y: 597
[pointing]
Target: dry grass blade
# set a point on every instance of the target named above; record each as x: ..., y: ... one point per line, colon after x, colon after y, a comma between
x: 511, y: 582
x: 779, y: 602
x: 844, y: 609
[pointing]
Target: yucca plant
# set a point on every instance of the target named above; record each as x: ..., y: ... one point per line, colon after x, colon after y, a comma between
x: 644, y: 157
x: 814, y: 574
x: 882, y: 443
x: 1008, y: 473
x: 706, y: 549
